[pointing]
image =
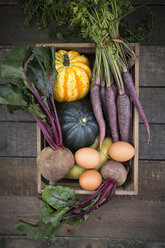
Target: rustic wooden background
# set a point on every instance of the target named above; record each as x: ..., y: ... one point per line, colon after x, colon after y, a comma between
x: 128, y: 221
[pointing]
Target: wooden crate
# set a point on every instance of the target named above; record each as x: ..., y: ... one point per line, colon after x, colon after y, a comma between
x: 131, y: 185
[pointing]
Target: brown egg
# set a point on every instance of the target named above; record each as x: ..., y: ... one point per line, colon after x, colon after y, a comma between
x: 87, y: 157
x: 90, y: 180
x: 121, y: 151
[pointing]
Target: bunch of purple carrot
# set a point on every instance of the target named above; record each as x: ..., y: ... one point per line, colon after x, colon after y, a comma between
x: 112, y: 90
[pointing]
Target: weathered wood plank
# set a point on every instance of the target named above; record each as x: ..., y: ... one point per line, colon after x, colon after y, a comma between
x: 151, y: 62
x: 18, y: 139
x: 158, y: 244
x: 21, y: 173
x: 104, y: 243
x: 18, y: 176
x: 152, y: 99
x: 141, y: 219
x: 153, y: 102
x: 155, y: 150
x: 151, y: 180
x: 152, y: 66
x: 74, y: 242
x: 19, y: 242
x: 12, y: 19
x: 70, y: 242
x: 8, y: 2
x: 16, y: 116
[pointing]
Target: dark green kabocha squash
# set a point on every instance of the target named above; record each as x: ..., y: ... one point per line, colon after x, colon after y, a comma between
x: 78, y: 123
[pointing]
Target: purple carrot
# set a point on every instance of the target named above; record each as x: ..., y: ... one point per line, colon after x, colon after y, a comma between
x: 124, y: 115
x: 112, y: 113
x: 128, y: 80
x: 104, y: 108
x: 114, y: 87
x: 97, y: 109
x: 103, y: 100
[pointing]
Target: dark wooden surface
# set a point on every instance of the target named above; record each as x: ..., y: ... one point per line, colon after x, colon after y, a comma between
x: 128, y: 221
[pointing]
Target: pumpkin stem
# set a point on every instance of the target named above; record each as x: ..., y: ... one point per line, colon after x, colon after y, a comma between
x: 66, y: 60
x: 83, y: 121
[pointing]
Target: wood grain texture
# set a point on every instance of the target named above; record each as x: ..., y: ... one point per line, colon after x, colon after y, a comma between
x: 104, y: 243
x: 12, y: 17
x: 74, y: 242
x: 121, y: 218
x: 153, y: 102
x: 18, y: 176
x: 151, y: 180
x: 25, y: 242
x: 18, y: 139
x: 152, y: 99
x: 155, y: 150
x: 16, y: 116
x: 152, y: 66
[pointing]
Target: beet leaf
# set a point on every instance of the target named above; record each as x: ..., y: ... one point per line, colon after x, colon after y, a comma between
x: 33, y: 69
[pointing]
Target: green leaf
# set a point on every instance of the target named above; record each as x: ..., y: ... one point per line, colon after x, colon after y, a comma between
x: 48, y: 225
x: 38, y: 231
x: 10, y: 94
x: 58, y: 215
x: 76, y: 221
x: 35, y: 75
x: 46, y: 212
x: 36, y: 110
x: 11, y: 67
x: 42, y: 67
x: 43, y: 57
x: 16, y: 98
x: 58, y: 196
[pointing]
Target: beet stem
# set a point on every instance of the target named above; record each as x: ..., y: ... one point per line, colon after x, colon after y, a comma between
x: 41, y: 103
x: 56, y: 116
x: 105, y: 191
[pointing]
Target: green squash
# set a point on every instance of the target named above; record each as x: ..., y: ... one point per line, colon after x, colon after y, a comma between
x: 78, y: 124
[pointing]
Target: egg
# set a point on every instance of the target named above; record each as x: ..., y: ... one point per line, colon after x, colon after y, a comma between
x: 121, y: 151
x: 90, y: 179
x: 87, y: 157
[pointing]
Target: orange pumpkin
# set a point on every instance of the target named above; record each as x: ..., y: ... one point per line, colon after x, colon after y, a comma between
x: 73, y: 79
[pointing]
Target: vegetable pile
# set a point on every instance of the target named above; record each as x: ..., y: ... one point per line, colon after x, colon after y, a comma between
x: 80, y: 145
